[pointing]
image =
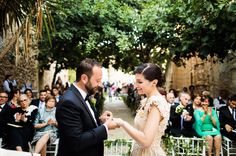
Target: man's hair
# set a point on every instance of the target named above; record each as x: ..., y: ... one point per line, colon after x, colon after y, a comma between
x: 43, y: 90
x: 86, y: 67
x: 3, y: 91
x: 232, y: 98
x: 183, y: 93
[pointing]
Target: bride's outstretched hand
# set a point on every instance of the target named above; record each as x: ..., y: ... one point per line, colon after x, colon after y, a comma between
x: 118, y: 121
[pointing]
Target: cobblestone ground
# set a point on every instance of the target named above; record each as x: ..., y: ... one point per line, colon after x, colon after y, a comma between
x: 120, y: 110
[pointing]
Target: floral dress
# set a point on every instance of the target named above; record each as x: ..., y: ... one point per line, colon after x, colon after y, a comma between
x: 140, y: 119
x: 43, y: 117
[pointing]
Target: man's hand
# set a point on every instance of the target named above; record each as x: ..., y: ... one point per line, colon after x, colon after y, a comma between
x: 105, y: 116
x: 111, y: 124
x: 228, y: 128
x: 188, y: 118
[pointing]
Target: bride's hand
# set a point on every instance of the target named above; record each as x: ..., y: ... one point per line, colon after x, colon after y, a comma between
x: 119, y: 121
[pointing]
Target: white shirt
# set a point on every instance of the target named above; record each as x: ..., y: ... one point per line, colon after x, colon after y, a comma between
x: 41, y: 106
x: 83, y: 93
x: 2, y: 106
x: 217, y: 103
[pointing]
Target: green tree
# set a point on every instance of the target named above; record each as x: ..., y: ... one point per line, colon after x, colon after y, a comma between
x: 126, y: 33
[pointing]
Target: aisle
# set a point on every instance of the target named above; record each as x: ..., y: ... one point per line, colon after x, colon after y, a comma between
x: 119, y: 109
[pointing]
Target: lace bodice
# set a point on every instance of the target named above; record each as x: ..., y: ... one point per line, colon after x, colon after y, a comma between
x: 140, y: 120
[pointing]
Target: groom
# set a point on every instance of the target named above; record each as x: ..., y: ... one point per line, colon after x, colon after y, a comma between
x: 80, y: 130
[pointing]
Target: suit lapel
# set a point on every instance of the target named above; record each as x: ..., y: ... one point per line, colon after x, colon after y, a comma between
x: 80, y: 98
x: 230, y: 114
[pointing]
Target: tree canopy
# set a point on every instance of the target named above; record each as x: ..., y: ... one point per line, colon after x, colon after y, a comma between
x: 127, y: 32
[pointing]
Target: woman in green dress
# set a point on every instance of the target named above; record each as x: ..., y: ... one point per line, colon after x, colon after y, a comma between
x: 207, y: 125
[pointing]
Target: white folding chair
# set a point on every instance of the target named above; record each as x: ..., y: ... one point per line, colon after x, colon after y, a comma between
x: 117, y: 147
x: 183, y: 146
x: 52, y: 148
x: 229, y: 146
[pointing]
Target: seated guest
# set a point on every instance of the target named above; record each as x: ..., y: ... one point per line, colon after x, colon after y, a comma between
x: 14, y: 101
x: 29, y: 93
x: 40, y: 103
x: 227, y: 118
x: 4, y: 117
x: 197, y: 102
x: 55, y: 92
x: 21, y: 128
x: 206, y: 95
x: 181, y: 118
x: 46, y: 126
x: 207, y: 125
x: 170, y: 97
x: 221, y: 100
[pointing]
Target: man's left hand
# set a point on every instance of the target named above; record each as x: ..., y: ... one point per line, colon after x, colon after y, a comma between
x: 105, y: 116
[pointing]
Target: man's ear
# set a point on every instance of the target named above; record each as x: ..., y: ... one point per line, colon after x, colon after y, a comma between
x: 84, y: 78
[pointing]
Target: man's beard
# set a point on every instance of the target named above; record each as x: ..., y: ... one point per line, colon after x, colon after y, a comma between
x: 91, y: 90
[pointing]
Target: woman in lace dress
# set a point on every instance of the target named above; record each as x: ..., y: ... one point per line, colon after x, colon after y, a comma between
x: 152, y: 116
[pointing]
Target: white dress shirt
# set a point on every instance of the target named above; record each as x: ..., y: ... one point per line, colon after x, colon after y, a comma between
x: 84, y: 94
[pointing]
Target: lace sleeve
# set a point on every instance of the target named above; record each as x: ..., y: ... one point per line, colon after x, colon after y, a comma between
x: 162, y: 105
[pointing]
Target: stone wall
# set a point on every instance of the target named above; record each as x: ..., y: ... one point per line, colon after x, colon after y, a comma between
x: 204, y: 75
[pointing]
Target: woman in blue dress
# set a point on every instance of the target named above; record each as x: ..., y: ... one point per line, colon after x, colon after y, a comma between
x: 46, y: 126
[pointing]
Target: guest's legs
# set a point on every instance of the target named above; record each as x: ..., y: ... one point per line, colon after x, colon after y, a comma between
x: 209, y: 140
x: 43, y: 150
x: 217, y: 144
x: 41, y: 145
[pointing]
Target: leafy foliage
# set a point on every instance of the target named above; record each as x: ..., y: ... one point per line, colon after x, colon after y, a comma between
x: 15, y: 10
x: 128, y: 32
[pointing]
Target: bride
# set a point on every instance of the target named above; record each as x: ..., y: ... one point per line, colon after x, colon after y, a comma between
x: 152, y: 116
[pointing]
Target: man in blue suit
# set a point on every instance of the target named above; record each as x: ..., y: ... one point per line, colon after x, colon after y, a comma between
x: 80, y: 129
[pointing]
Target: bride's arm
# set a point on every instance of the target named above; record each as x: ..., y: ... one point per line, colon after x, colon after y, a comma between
x: 145, y: 137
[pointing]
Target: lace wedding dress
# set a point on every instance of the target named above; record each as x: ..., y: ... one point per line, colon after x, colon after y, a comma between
x: 140, y: 119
